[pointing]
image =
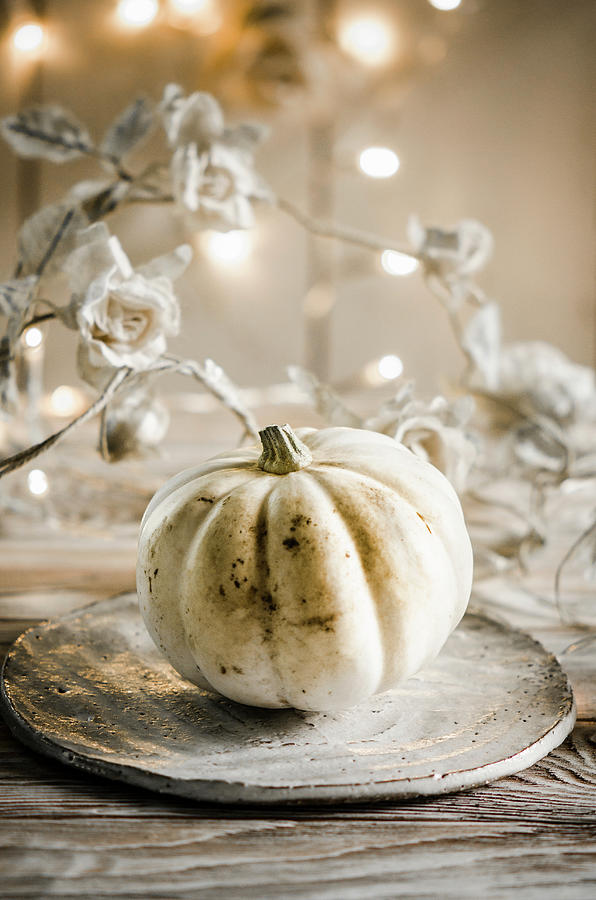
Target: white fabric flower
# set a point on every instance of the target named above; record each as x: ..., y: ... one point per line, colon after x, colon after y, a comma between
x: 213, y: 176
x: 460, y: 251
x: 542, y: 377
x: 123, y: 316
x: 435, y: 431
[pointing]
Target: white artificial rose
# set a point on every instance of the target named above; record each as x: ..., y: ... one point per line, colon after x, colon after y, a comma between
x: 215, y: 188
x: 436, y: 431
x: 214, y: 181
x: 123, y: 316
x: 542, y: 377
x: 124, y: 321
x: 196, y: 119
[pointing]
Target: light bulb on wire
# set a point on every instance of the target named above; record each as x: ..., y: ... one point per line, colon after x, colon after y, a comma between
x: 230, y: 247
x: 378, y: 162
x: 445, y: 5
x: 380, y: 371
x: 28, y: 38
x: 189, y: 7
x: 33, y: 337
x: 202, y: 16
x: 368, y: 37
x: 399, y: 264
x: 137, y: 13
x: 37, y: 482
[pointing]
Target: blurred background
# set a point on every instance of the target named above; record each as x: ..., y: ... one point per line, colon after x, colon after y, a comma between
x: 487, y: 106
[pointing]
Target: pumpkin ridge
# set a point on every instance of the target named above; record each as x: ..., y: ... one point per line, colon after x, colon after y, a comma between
x: 357, y: 540
x: 395, y: 489
x: 348, y: 467
x: 269, y: 615
x: 190, y: 475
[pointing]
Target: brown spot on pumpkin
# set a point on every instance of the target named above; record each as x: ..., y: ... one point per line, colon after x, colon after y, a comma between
x: 236, y: 583
x: 222, y: 591
x: 290, y: 542
x: 150, y: 584
x: 347, y: 555
x: 205, y: 499
x: 269, y: 602
x: 223, y: 670
x: 420, y: 516
x: 155, y: 571
x: 238, y: 670
x: 323, y: 622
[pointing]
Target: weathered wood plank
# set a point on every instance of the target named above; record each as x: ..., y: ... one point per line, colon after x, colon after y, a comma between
x: 314, y: 859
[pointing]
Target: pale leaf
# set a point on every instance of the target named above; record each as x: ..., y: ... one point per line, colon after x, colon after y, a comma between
x: 170, y: 265
x: 481, y: 340
x: 46, y: 132
x: 8, y: 388
x: 16, y: 295
x: 48, y: 236
x: 538, y: 449
x: 128, y: 130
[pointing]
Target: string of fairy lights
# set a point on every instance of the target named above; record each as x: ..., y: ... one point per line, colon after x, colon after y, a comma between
x: 366, y: 35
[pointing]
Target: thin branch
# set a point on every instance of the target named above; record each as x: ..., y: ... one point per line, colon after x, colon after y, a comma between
x: 36, y: 320
x: 195, y: 370
x: 341, y: 233
x: 24, y: 456
x: 558, y: 574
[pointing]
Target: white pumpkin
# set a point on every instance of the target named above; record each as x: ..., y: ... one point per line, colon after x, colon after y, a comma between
x: 314, y: 574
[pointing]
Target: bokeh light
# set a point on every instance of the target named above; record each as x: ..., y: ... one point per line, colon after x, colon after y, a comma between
x: 396, y: 263
x: 378, y: 162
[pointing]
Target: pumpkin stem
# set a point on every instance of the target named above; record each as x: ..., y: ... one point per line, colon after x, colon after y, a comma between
x: 283, y: 451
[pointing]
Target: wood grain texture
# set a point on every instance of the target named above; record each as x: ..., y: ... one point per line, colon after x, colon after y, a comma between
x: 67, y: 834
x: 530, y: 836
x: 87, y: 838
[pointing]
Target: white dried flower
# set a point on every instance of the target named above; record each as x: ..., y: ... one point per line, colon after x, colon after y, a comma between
x: 541, y: 377
x: 459, y: 251
x: 435, y: 431
x: 123, y: 316
x: 213, y: 176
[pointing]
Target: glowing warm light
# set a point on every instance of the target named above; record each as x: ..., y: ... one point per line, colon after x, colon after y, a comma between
x: 229, y: 247
x: 190, y: 7
x: 33, y: 337
x: 137, y: 13
x: 390, y: 367
x: 66, y: 401
x: 368, y: 38
x: 396, y: 263
x: 379, y: 371
x: 378, y: 162
x: 37, y: 482
x: 203, y: 16
x: 28, y: 37
x: 445, y: 4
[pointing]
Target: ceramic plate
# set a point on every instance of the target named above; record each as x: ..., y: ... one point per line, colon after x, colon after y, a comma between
x: 91, y: 690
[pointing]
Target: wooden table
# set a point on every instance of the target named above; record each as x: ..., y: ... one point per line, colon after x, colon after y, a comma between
x: 67, y: 834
